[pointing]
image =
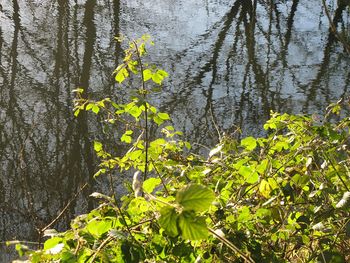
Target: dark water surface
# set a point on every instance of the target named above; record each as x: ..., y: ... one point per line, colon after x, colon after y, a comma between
x: 230, y: 62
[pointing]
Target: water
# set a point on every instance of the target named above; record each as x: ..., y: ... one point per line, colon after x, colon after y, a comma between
x: 230, y: 63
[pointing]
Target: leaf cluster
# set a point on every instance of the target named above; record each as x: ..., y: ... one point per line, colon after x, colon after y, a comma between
x: 283, y: 197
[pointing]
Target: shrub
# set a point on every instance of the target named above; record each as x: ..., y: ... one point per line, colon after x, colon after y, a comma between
x: 280, y: 198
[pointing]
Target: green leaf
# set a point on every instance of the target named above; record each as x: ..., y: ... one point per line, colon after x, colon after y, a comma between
x: 97, y: 146
x: 134, y: 155
x: 158, y: 120
x: 76, y: 112
x: 68, y: 257
x: 163, y: 116
x: 147, y: 74
x: 126, y: 138
x: 52, y: 242
x: 162, y: 73
x: 159, y: 76
x: 134, y: 111
x: 265, y: 188
x: 249, y: 174
x: 89, y: 106
x: 244, y: 214
x: 192, y: 227
x: 121, y: 75
x: 150, y: 184
x: 168, y: 220
x: 95, y: 109
x: 97, y: 228
x: 195, y: 197
x: 249, y: 143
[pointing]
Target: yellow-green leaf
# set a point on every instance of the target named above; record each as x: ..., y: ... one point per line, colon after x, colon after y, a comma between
x: 163, y: 116
x: 250, y: 175
x: 265, y: 188
x: 121, y: 75
x: 249, y: 143
x: 150, y: 184
x: 147, y: 74
x: 97, y: 146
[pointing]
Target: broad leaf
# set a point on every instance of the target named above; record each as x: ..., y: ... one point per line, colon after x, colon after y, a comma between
x: 250, y: 175
x: 168, y: 220
x: 265, y: 188
x: 192, y: 227
x: 195, y: 197
x: 98, y: 228
x: 52, y: 242
x: 97, y: 146
x: 249, y: 143
x: 147, y: 74
x: 121, y: 75
x: 150, y: 184
x: 163, y: 116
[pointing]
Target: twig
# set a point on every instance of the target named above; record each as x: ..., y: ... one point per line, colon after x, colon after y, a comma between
x: 103, y: 244
x: 247, y: 258
x: 146, y: 110
x: 63, y: 210
x: 160, y: 177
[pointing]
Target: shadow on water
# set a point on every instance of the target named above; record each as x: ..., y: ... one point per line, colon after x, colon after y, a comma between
x: 230, y: 64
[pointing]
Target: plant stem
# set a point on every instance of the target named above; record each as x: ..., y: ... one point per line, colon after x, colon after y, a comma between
x: 247, y: 258
x: 144, y: 92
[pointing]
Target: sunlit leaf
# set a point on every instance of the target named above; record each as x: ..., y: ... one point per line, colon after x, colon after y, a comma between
x: 95, y: 109
x: 265, y: 188
x: 192, y: 227
x: 97, y: 146
x: 52, y: 242
x: 121, y: 75
x: 249, y: 143
x: 147, y: 74
x: 195, y: 197
x: 98, y: 227
x: 159, y: 76
x: 150, y: 184
x: 249, y: 174
x: 126, y: 138
x: 163, y: 116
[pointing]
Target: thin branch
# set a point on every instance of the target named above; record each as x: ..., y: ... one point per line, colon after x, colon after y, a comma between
x: 64, y: 209
x: 103, y: 244
x: 160, y: 177
x: 146, y: 110
x: 247, y: 258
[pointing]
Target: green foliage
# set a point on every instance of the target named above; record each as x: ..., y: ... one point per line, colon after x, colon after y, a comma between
x: 280, y: 198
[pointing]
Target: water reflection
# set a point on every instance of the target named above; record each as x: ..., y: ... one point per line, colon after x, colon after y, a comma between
x: 261, y: 55
x: 231, y: 62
